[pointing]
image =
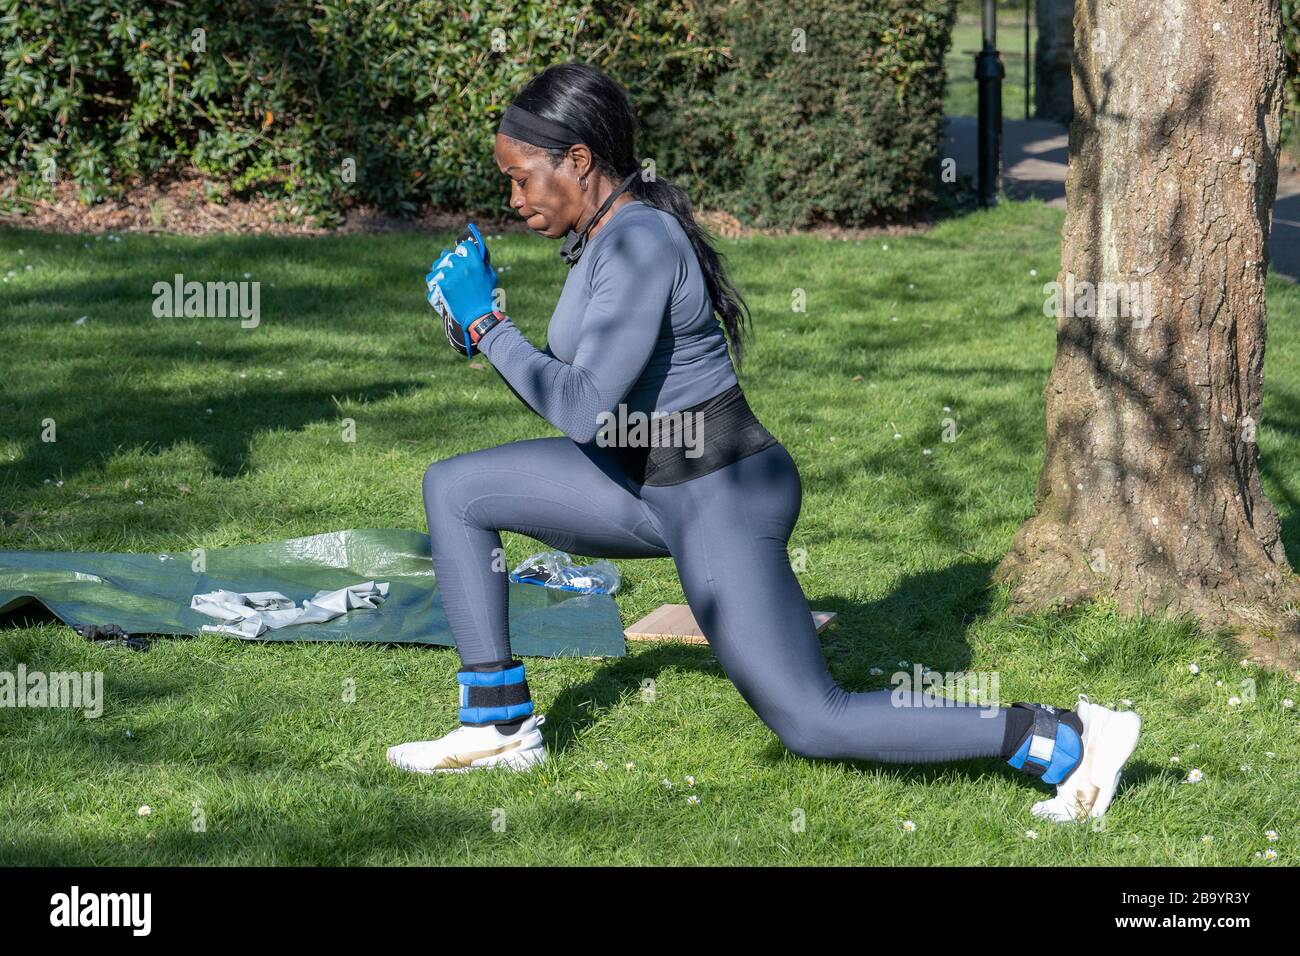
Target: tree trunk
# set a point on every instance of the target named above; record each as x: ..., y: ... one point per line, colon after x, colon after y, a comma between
x: 1150, y: 494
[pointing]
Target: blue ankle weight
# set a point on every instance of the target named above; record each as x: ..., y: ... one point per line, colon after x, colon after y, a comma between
x: 494, y: 696
x: 1052, y: 747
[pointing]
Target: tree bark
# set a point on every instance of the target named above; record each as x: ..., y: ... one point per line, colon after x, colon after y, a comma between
x: 1149, y: 493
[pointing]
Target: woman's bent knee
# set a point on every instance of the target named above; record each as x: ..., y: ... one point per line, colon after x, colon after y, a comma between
x: 437, y: 479
x: 801, y: 743
x: 804, y: 735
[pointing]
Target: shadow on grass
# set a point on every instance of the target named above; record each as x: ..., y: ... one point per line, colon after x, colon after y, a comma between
x: 1282, y: 414
x: 240, y: 832
x: 359, y: 294
x: 925, y: 617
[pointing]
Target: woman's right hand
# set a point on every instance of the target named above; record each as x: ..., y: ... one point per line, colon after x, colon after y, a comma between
x: 461, y: 289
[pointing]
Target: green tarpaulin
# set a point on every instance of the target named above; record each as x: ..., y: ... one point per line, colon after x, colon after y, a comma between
x: 150, y: 593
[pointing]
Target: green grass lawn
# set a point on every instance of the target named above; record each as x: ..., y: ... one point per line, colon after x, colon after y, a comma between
x: 899, y: 542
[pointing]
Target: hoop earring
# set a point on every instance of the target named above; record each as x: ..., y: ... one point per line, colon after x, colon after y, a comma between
x: 582, y: 182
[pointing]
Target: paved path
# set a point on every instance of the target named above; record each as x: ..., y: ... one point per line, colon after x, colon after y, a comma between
x: 1034, y: 158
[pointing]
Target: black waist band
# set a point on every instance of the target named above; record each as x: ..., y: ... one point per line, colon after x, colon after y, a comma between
x: 719, y: 431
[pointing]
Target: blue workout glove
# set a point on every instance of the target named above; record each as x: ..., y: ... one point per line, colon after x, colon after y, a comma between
x: 460, y: 288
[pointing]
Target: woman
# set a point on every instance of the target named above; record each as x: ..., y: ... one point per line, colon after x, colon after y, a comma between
x: 637, y: 326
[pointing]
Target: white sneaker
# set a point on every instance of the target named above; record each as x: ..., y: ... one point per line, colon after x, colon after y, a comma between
x: 469, y: 748
x: 1109, y: 739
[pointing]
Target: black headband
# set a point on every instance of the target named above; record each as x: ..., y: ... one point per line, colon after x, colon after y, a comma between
x: 528, y: 127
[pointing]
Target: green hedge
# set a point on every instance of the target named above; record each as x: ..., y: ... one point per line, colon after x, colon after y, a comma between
x: 283, y: 93
x: 846, y: 132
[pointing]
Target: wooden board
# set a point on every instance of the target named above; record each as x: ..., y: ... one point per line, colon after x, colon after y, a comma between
x: 675, y: 622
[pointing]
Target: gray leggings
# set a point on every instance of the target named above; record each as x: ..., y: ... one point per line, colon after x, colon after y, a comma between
x: 727, y: 532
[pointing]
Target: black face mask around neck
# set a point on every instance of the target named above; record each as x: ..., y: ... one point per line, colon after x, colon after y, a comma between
x: 575, y: 242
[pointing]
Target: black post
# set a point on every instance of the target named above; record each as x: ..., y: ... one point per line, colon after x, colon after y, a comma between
x: 1027, y: 70
x: 989, y: 73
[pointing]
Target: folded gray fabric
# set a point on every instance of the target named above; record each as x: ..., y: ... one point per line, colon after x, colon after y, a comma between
x: 249, y: 613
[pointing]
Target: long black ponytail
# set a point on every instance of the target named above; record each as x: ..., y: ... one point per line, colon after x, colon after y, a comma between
x: 596, y: 107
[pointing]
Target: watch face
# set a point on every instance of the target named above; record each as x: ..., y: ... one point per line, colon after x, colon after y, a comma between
x: 482, y: 326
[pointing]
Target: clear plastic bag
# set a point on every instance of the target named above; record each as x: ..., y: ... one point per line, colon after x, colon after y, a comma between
x: 555, y: 569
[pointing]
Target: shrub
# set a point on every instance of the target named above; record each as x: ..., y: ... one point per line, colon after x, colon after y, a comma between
x: 335, y: 102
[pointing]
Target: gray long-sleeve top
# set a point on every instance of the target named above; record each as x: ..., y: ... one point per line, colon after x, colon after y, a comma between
x: 634, y: 325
